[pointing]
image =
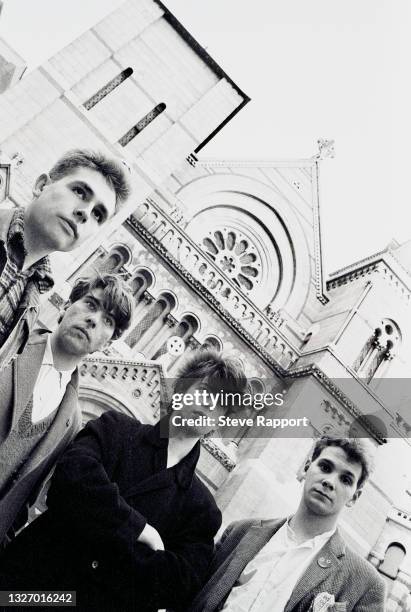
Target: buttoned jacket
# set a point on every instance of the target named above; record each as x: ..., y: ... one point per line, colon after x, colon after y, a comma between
x: 16, y: 390
x: 336, y: 570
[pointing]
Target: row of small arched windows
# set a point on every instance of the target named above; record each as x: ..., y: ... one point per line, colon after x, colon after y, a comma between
x: 153, y: 322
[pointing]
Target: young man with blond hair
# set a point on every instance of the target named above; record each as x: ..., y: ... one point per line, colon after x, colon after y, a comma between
x: 70, y: 203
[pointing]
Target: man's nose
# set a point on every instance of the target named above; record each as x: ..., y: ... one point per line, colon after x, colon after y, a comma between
x: 82, y: 214
x: 91, y: 319
x: 328, y: 482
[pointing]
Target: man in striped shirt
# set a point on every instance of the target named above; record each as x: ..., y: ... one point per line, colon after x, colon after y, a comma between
x: 70, y: 204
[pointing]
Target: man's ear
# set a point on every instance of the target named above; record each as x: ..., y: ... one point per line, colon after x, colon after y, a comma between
x: 40, y: 183
x: 306, y: 466
x: 104, y: 347
x: 354, y: 498
x: 63, y: 311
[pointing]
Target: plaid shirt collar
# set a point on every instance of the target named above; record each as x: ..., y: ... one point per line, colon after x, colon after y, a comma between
x: 41, y: 269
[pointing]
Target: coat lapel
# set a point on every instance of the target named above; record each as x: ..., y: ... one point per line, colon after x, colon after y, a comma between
x: 25, y: 371
x: 322, y: 566
x: 66, y: 421
x: 229, y: 572
x: 156, y: 481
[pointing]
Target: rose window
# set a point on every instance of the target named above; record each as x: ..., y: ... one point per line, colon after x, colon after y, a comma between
x: 235, y: 256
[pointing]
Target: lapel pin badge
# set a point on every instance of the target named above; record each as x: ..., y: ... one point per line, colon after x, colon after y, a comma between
x: 324, y: 562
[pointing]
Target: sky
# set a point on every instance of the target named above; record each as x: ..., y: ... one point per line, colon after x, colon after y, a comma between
x: 313, y: 69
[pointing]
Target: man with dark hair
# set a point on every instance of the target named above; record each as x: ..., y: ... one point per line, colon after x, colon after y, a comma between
x: 301, y: 563
x: 129, y: 525
x: 70, y: 204
x: 39, y: 412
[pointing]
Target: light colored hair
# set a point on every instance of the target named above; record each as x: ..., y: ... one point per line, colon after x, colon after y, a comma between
x: 113, y: 171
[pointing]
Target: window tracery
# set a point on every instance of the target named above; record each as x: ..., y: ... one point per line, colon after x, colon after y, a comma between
x: 378, y: 351
x: 236, y: 256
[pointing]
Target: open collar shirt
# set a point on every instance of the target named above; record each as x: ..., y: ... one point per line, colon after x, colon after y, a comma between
x: 267, y: 582
x: 50, y: 386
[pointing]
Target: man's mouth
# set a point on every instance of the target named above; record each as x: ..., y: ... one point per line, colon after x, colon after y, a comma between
x: 83, y: 331
x: 70, y: 225
x: 322, y: 494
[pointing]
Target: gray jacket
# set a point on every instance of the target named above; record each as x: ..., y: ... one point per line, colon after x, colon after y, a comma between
x: 17, y: 382
x: 337, y: 570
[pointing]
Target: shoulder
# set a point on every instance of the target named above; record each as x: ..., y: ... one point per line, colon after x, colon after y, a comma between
x: 237, y: 529
x: 363, y: 573
x: 118, y: 420
x: 360, y: 565
x: 115, y: 427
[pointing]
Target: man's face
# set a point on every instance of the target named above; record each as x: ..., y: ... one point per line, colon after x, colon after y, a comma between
x: 331, y: 482
x: 86, y: 327
x: 64, y: 213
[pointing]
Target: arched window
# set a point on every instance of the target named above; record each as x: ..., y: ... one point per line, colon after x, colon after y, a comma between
x: 102, y: 261
x: 117, y: 257
x: 108, y: 88
x: 378, y: 351
x: 185, y: 329
x: 394, y: 556
x: 152, y: 321
x: 212, y: 342
x: 140, y: 282
x: 143, y: 123
x: 257, y: 387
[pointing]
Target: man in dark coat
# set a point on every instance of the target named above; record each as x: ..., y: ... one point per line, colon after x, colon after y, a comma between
x: 130, y: 526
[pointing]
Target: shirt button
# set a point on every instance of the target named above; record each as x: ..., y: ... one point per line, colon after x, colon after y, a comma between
x: 67, y: 422
x: 94, y: 564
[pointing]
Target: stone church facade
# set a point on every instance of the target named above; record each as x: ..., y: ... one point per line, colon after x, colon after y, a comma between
x: 222, y: 254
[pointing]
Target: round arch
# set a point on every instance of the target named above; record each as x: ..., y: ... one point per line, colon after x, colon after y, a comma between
x: 265, y: 220
x: 96, y: 402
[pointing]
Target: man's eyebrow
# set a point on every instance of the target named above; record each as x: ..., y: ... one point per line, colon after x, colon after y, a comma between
x: 100, y: 304
x: 90, y: 193
x: 348, y: 473
x: 84, y: 186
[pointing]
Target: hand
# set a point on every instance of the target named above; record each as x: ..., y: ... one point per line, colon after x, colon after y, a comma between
x: 151, y: 538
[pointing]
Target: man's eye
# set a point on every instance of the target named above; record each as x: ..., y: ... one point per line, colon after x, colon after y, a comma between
x: 324, y: 467
x: 90, y: 304
x: 109, y: 321
x: 98, y: 215
x: 80, y: 192
x: 346, y: 480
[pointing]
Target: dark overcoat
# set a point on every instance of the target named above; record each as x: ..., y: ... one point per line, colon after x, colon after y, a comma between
x: 109, y: 483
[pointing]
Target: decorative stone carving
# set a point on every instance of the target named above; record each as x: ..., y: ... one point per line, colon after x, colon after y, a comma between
x: 235, y: 255
x: 326, y: 148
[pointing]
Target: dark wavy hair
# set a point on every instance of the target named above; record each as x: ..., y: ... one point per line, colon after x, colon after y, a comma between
x: 117, y: 298
x: 113, y: 171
